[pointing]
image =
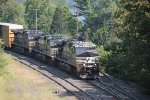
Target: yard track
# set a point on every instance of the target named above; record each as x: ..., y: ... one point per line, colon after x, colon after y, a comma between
x: 109, y: 84
x: 103, y: 88
x: 79, y: 88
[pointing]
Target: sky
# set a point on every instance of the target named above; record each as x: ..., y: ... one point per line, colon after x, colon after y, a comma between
x: 70, y: 4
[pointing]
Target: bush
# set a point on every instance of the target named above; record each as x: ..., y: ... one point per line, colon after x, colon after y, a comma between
x: 1, y: 46
x: 2, y: 60
x: 103, y: 57
x: 2, y: 65
x: 127, y: 66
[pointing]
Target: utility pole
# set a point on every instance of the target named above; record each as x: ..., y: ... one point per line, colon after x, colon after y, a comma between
x: 76, y: 15
x: 77, y: 22
x: 36, y: 18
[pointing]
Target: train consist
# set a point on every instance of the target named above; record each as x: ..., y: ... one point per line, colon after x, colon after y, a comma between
x: 77, y: 57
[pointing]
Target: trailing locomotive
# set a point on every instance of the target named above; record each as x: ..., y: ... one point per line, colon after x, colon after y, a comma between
x: 78, y: 57
x: 46, y: 47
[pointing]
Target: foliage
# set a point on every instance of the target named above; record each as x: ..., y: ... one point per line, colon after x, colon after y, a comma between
x: 130, y: 57
x: 2, y: 60
x: 11, y: 12
x: 45, y: 11
x: 2, y: 66
x: 57, y: 24
x: 1, y: 46
x: 135, y: 40
x: 63, y: 21
x: 103, y: 57
x: 98, y: 14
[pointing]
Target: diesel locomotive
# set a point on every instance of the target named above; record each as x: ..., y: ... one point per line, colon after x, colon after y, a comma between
x: 77, y: 57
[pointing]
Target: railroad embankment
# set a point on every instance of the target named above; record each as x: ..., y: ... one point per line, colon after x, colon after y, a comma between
x: 18, y: 82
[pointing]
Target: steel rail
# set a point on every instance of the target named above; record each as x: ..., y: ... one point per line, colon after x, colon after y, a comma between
x: 72, y: 92
x: 120, y: 90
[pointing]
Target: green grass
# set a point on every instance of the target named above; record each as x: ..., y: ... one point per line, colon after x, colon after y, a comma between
x: 3, y: 65
x: 18, y: 82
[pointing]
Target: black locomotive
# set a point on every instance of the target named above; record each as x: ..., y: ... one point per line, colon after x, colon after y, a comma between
x: 78, y: 57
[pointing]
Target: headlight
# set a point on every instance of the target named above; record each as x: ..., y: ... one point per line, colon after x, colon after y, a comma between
x: 84, y: 65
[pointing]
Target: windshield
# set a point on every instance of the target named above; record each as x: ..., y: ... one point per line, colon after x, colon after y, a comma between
x: 85, y: 48
x: 88, y: 54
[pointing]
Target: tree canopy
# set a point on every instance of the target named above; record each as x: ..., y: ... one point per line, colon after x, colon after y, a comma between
x: 45, y: 11
x: 11, y: 12
x: 63, y: 21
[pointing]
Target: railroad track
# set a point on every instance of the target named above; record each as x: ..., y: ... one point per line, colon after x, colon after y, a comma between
x: 112, y: 87
x: 94, y: 83
x: 71, y: 87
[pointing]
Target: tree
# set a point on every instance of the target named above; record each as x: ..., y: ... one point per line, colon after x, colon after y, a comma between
x: 135, y: 36
x: 56, y: 26
x: 45, y: 13
x: 130, y: 58
x: 98, y: 13
x: 63, y: 21
x: 1, y: 46
x: 11, y: 12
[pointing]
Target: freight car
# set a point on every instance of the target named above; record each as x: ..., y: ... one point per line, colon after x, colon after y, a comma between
x: 78, y: 57
x: 7, y: 33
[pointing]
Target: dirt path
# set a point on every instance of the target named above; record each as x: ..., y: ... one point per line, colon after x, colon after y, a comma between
x: 23, y: 83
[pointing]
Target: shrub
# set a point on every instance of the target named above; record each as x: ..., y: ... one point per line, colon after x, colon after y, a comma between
x: 1, y: 46
x: 103, y: 57
x: 2, y: 60
x: 2, y: 65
